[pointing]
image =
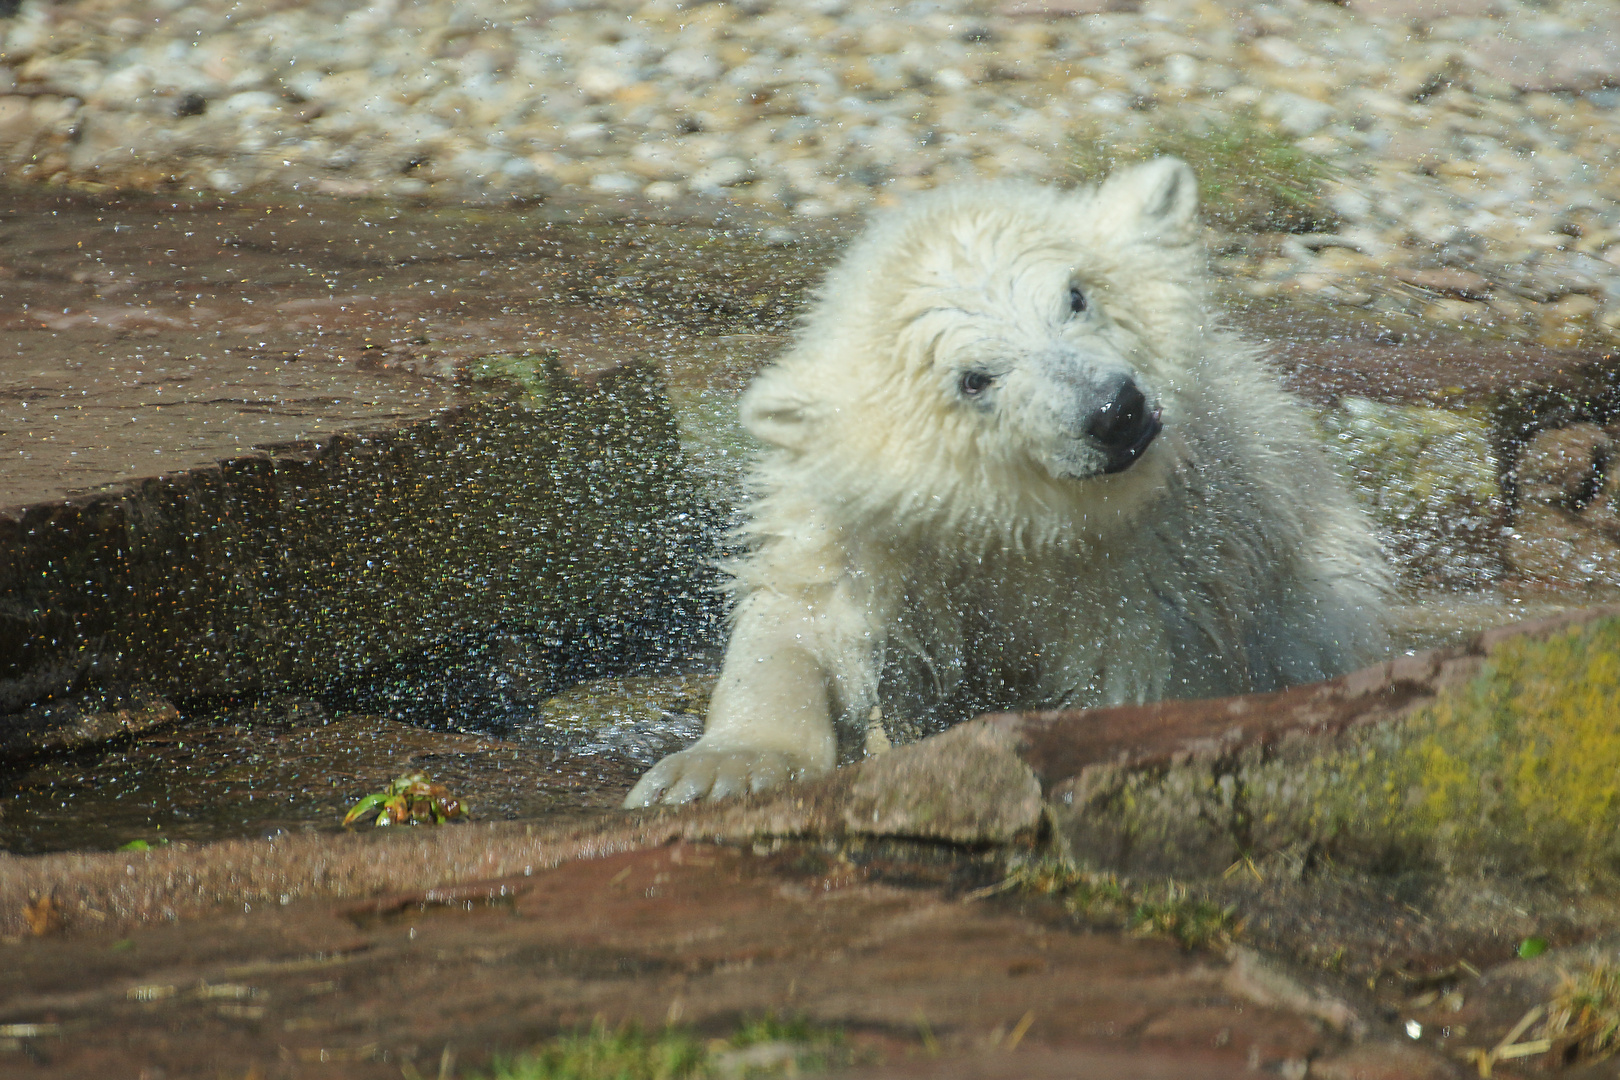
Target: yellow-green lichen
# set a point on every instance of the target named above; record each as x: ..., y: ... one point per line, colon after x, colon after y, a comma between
x: 1519, y: 770
x: 1515, y: 771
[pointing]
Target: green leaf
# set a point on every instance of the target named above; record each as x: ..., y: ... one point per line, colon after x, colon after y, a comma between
x: 1532, y: 947
x: 360, y: 809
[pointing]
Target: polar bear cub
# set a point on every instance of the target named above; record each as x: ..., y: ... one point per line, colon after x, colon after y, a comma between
x: 1013, y: 461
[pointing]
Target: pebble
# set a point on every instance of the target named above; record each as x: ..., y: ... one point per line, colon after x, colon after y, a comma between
x: 1471, y: 141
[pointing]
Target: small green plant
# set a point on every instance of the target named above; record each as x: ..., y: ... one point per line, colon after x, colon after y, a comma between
x: 762, y: 1047
x: 601, y: 1054
x: 1252, y: 177
x: 144, y: 845
x: 1163, y: 910
x: 409, y: 800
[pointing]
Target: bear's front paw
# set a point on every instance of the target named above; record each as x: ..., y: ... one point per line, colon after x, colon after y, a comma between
x: 705, y: 773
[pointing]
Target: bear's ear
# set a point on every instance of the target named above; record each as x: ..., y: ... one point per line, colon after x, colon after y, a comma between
x: 1159, y: 198
x: 776, y: 412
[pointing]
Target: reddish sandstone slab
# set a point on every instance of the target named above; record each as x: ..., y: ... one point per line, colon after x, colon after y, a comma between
x: 700, y: 933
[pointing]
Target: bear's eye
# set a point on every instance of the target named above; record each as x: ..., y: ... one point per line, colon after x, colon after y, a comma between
x: 975, y: 383
x: 1077, y: 299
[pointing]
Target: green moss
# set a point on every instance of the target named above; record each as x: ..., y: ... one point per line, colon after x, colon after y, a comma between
x: 1517, y: 771
x: 600, y: 1054
x: 531, y: 375
x: 766, y: 1046
x: 1166, y: 909
x: 1251, y: 175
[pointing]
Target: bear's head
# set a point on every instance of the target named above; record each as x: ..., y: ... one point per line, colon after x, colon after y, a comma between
x: 1000, y: 336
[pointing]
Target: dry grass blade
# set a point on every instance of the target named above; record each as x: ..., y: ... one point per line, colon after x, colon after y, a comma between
x: 1583, y: 1018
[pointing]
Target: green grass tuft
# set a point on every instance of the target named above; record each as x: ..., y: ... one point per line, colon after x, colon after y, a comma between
x: 601, y: 1054
x: 762, y: 1047
x: 1252, y: 177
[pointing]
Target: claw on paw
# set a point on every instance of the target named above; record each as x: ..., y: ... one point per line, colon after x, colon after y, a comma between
x: 700, y: 773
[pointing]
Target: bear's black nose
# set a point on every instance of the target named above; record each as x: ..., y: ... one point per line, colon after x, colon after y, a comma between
x: 1124, y: 427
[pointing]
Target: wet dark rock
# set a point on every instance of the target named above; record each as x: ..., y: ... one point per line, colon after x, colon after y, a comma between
x: 638, y: 902
x: 256, y: 419
x: 1388, y: 1060
x: 1265, y: 982
x: 638, y: 719
x: 1567, y: 529
x: 921, y: 983
x: 62, y: 727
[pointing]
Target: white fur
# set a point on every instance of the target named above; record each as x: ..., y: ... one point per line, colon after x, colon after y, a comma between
x: 937, y: 555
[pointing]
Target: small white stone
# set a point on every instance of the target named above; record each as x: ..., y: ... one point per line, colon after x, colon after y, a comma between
x: 600, y: 82
x: 1281, y: 51
x: 1297, y: 114
x: 691, y: 65
x: 1181, y: 71
x: 615, y: 183
x: 248, y: 101
x: 721, y: 172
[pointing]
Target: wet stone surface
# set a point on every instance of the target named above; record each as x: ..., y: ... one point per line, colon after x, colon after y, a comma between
x: 346, y: 531
x: 866, y: 901
x: 285, y: 766
x: 144, y: 335
x: 920, y: 981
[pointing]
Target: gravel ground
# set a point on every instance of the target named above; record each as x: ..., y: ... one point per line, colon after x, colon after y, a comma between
x: 1470, y: 144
